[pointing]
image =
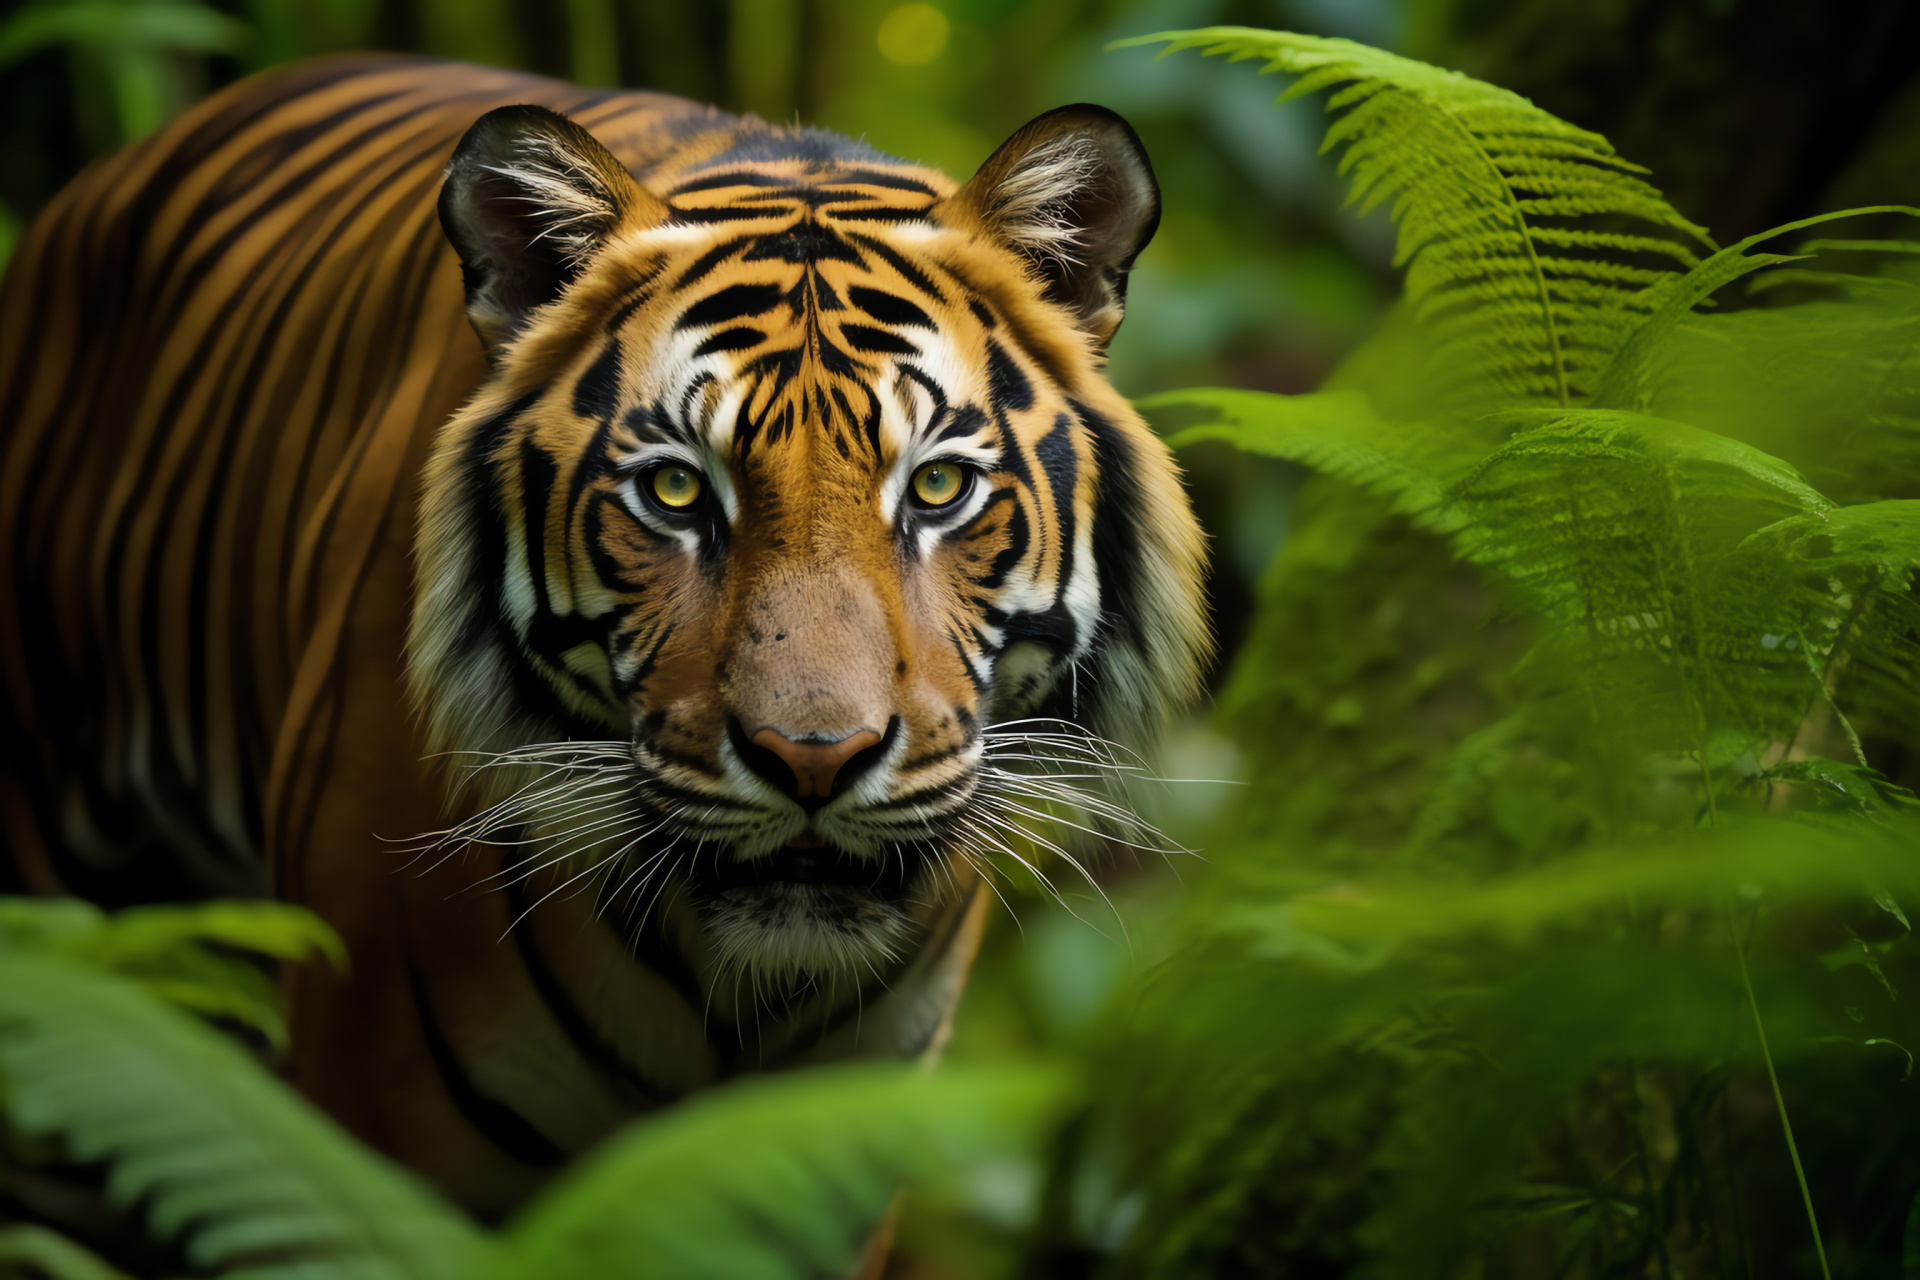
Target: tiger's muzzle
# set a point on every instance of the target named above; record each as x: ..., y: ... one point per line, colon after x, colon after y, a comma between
x: 846, y: 747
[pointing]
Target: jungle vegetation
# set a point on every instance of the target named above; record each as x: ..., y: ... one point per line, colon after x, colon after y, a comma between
x: 1560, y: 927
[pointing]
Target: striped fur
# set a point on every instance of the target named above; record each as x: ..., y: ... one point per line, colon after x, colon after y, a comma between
x: 311, y: 593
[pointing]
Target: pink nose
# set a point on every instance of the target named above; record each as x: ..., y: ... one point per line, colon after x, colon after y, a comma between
x: 815, y: 764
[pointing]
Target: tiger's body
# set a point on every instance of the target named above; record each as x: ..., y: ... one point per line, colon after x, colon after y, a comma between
x: 278, y: 532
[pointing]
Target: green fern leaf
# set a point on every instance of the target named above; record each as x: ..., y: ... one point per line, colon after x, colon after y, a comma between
x: 1624, y: 383
x: 49, y: 1255
x: 1802, y: 861
x: 258, y: 1183
x: 1617, y: 531
x: 1336, y: 432
x: 773, y: 1178
x: 164, y: 948
x: 1831, y: 384
x: 1483, y: 184
x: 1834, y: 593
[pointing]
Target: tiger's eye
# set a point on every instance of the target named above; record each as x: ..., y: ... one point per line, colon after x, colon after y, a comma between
x: 937, y: 483
x: 676, y: 487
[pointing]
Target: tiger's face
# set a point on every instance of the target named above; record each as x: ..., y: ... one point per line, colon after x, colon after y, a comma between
x: 798, y: 509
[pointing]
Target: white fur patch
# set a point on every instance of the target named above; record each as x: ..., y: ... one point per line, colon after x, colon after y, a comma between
x: 576, y: 205
x: 1032, y: 205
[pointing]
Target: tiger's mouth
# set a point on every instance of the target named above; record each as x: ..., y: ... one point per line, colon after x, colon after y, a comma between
x: 802, y: 911
x: 887, y: 875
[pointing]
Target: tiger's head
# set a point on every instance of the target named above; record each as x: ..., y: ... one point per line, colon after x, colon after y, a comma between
x: 795, y: 508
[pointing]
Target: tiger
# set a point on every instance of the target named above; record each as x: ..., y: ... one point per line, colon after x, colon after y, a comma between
x: 610, y: 558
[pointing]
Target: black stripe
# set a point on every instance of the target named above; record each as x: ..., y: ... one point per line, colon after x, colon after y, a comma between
x: 888, y: 309
x: 1019, y: 534
x: 655, y: 787
x: 886, y: 213
x: 735, y: 302
x: 500, y: 1124
x: 598, y: 390
x: 880, y: 178
x: 639, y: 294
x: 1007, y: 386
x: 727, y: 213
x: 863, y: 337
x: 967, y: 420
x: 939, y: 791
x: 647, y: 944
x: 933, y: 757
x: 935, y: 393
x: 1117, y: 509
x: 718, y: 180
x: 573, y: 1023
x: 1061, y: 465
x: 966, y: 664
x: 911, y: 274
x: 730, y: 340
x: 707, y: 261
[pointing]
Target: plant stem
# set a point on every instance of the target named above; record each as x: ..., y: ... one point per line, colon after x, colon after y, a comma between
x: 1779, y: 1101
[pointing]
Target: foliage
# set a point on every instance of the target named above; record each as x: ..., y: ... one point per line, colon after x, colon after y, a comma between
x: 774, y: 1178
x: 204, y: 958
x: 1528, y: 980
x: 190, y: 1124
x: 125, y: 51
x: 766, y: 1179
x: 1519, y: 296
x: 50, y: 1254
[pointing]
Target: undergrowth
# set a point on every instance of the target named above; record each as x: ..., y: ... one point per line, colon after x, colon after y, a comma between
x: 1577, y: 713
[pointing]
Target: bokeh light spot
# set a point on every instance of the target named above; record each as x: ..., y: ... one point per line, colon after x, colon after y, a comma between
x: 913, y: 34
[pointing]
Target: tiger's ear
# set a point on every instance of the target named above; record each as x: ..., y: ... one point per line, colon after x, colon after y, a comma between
x: 1072, y: 193
x: 529, y: 198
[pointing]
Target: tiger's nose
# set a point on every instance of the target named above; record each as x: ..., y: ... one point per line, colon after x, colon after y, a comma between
x: 810, y: 770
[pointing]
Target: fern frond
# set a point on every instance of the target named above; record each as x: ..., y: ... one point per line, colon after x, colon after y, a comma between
x: 1802, y: 861
x: 257, y: 1181
x: 1483, y: 184
x: 51, y: 1255
x: 772, y: 1178
x: 1624, y: 384
x: 1832, y: 384
x: 1336, y: 432
x: 165, y: 949
x: 1616, y: 530
x: 1833, y: 594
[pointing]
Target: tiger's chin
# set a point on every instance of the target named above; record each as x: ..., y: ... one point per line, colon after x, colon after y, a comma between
x: 796, y: 914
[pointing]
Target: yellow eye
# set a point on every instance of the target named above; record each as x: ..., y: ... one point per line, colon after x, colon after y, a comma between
x: 938, y: 483
x: 676, y: 488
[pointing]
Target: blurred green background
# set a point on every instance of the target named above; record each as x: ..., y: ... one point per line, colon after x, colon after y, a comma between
x: 1750, y: 113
